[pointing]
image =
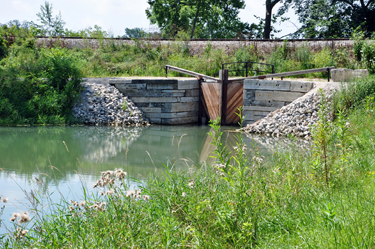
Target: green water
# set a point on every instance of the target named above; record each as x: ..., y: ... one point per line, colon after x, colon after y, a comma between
x: 64, y: 158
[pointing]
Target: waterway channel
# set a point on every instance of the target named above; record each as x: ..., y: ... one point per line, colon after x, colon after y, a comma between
x: 61, y: 159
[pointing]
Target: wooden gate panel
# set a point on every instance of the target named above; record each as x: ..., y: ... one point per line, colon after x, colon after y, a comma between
x: 234, y: 101
x: 212, y: 97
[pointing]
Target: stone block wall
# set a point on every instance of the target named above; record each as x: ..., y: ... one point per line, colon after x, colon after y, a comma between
x: 346, y: 75
x: 198, y: 46
x: 260, y: 97
x: 163, y: 101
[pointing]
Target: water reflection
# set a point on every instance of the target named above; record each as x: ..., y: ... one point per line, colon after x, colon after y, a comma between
x: 68, y: 156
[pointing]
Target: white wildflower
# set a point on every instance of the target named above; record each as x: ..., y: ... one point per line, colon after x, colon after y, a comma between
x: 191, y: 183
x: 130, y: 193
x: 110, y: 192
x: 24, y: 217
x: 184, y: 194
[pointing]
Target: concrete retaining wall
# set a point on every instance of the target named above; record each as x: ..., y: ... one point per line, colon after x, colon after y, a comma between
x: 346, y: 75
x: 260, y: 97
x: 163, y: 101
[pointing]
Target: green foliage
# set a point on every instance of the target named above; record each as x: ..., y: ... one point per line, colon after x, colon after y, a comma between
x: 304, y: 56
x: 323, y: 58
x: 368, y: 55
x: 333, y: 18
x: 364, y: 50
x: 358, y: 37
x: 322, y: 134
x: 353, y: 94
x: 38, y: 85
x: 343, y: 59
x: 210, y: 19
x: 134, y: 33
x: 97, y: 33
x: 51, y: 26
x: 3, y: 48
x: 125, y: 106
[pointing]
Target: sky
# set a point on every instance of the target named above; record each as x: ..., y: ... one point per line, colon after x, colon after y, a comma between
x: 114, y: 15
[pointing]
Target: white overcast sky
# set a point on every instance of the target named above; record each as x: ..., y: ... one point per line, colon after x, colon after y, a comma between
x: 113, y: 15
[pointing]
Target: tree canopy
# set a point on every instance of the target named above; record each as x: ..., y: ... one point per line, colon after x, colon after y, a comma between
x: 333, y: 18
x: 201, y: 18
x: 52, y: 26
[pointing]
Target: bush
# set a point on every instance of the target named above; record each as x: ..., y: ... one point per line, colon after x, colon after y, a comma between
x: 38, y: 86
x: 364, y: 50
x: 3, y: 48
x: 304, y: 57
x: 354, y: 94
x: 368, y: 55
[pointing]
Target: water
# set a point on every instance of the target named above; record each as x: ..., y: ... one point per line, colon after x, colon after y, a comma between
x: 64, y: 158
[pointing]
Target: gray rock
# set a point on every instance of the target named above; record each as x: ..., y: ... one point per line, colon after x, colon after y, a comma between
x: 102, y: 105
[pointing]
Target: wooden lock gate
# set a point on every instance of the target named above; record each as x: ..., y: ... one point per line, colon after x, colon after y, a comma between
x: 218, y: 97
x: 221, y: 97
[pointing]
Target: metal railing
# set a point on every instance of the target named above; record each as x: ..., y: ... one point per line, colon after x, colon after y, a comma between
x: 286, y: 74
x: 246, y: 67
x: 191, y: 73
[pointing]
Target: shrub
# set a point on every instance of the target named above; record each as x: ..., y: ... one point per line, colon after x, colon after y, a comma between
x: 354, y: 94
x: 304, y: 57
x: 38, y: 86
x: 368, y: 55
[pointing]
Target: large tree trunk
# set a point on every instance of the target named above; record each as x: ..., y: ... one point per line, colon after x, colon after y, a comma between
x: 195, y: 19
x: 267, y: 26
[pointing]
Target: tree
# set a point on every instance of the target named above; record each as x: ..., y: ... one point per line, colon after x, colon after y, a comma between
x: 201, y: 18
x: 333, y: 18
x: 267, y: 26
x: 134, y: 33
x: 53, y: 26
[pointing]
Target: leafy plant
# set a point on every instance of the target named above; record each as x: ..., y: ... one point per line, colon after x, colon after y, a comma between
x: 322, y: 139
x: 125, y: 106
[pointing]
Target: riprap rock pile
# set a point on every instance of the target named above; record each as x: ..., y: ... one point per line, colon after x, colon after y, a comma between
x: 105, y: 105
x: 297, y: 118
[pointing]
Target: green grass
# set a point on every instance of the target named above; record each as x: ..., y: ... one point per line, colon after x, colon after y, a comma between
x: 242, y: 201
x: 38, y: 85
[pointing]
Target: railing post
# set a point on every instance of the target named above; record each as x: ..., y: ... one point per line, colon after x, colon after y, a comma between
x: 329, y: 73
x: 247, y: 63
x: 224, y: 95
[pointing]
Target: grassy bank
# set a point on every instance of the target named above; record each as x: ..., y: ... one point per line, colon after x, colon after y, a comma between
x: 38, y: 85
x: 322, y: 198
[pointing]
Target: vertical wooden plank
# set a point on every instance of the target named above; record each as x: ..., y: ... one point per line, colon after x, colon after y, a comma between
x: 224, y: 98
x: 200, y: 103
